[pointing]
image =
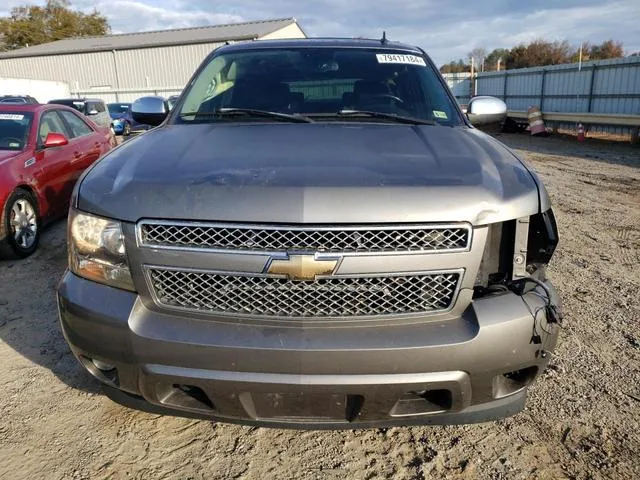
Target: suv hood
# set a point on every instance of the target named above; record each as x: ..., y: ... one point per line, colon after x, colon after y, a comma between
x: 311, y: 173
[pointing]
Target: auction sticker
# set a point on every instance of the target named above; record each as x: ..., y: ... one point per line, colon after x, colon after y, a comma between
x: 400, y: 58
x: 11, y: 116
x: 440, y: 114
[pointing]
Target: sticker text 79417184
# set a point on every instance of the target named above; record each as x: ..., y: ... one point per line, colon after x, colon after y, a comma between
x: 11, y: 116
x: 401, y: 58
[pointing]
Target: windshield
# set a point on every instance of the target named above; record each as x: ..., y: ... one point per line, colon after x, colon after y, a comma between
x: 118, y: 107
x: 14, y: 129
x: 13, y: 100
x: 77, y: 104
x: 319, y: 82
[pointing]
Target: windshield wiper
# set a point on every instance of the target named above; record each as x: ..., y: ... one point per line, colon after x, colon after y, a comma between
x: 248, y: 112
x: 385, y: 116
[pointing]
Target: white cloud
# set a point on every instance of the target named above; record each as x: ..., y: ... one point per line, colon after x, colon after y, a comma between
x: 446, y: 30
x: 130, y: 15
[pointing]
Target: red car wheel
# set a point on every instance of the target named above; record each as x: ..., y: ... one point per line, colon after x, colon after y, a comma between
x: 21, y: 225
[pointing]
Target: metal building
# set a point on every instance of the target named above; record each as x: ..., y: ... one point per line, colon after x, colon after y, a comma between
x: 124, y: 67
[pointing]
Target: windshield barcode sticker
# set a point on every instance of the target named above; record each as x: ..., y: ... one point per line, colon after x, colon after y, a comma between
x: 399, y: 58
x: 11, y: 116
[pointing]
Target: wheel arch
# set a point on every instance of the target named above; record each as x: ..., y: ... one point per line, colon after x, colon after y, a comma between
x: 34, y: 194
x: 4, y: 248
x: 32, y: 191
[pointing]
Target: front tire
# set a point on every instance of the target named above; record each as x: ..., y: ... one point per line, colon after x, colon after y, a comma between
x: 21, y: 224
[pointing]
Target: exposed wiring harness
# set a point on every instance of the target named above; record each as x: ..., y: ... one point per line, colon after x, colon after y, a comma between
x: 553, y: 313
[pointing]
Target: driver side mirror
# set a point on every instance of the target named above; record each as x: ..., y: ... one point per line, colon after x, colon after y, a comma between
x: 486, y: 110
x: 55, y: 140
x: 92, y: 112
x: 150, y: 110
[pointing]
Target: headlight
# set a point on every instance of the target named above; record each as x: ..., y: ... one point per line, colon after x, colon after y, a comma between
x: 96, y: 250
x: 117, y: 121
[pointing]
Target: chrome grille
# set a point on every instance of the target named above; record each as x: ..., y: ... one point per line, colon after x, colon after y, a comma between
x: 317, y: 239
x: 324, y: 297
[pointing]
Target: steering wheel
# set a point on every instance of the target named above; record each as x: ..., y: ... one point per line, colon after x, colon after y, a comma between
x: 387, y: 96
x: 8, y: 140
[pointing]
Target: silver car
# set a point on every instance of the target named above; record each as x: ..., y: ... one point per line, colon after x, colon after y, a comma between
x: 314, y: 237
x: 94, y: 108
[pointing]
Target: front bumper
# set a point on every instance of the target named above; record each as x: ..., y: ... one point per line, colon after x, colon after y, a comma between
x: 118, y: 128
x: 473, y: 368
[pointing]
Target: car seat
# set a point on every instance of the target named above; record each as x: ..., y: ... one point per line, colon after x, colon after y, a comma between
x: 260, y: 95
x: 367, y: 92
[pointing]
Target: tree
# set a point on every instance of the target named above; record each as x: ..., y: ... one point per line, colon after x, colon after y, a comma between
x: 455, y: 67
x: 497, y: 56
x: 586, y: 53
x: 607, y: 49
x: 477, y: 55
x: 539, y: 53
x: 32, y: 25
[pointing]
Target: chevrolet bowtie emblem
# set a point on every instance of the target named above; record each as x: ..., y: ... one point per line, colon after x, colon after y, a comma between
x: 302, y: 267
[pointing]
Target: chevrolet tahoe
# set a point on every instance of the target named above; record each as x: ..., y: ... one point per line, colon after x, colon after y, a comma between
x: 315, y: 236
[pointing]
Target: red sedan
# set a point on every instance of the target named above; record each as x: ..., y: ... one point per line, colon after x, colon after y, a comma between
x: 43, y: 151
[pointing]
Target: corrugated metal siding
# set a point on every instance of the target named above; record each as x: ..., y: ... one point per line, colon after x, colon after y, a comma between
x: 493, y: 86
x: 143, y: 71
x: 160, y: 67
x: 323, y: 90
x: 616, y: 87
x: 460, y: 85
x: 164, y: 67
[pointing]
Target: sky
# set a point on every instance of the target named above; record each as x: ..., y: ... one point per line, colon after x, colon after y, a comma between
x: 446, y: 29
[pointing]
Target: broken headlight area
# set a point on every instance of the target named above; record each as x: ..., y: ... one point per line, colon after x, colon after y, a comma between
x: 514, y: 251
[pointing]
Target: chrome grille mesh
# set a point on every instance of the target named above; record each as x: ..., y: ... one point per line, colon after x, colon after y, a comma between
x: 324, y: 297
x: 336, y: 239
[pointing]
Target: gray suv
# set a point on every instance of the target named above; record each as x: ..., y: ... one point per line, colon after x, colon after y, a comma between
x: 317, y: 237
x: 94, y: 108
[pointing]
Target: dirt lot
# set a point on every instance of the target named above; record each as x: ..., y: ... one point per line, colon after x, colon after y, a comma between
x: 582, y: 419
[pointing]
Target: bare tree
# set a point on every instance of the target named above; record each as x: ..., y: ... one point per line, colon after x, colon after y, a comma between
x: 477, y: 55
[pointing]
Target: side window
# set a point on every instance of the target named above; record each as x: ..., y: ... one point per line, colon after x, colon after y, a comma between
x: 100, y: 107
x: 50, y: 122
x: 78, y: 126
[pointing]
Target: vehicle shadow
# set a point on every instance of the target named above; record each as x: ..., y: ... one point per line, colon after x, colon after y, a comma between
x: 593, y: 149
x: 28, y: 312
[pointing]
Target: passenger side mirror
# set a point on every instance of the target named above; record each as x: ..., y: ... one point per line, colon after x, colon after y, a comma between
x: 150, y: 110
x: 485, y: 110
x: 55, y: 140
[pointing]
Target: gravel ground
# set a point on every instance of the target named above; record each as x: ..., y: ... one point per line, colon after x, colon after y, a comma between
x: 582, y: 418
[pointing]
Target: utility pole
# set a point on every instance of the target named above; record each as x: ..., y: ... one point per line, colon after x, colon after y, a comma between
x: 473, y: 80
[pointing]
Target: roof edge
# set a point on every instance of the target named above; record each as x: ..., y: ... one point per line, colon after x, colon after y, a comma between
x: 17, y: 54
x: 137, y: 47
